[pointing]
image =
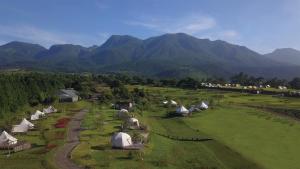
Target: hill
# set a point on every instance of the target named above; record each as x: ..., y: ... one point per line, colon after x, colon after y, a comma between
x: 168, y: 55
x: 285, y: 55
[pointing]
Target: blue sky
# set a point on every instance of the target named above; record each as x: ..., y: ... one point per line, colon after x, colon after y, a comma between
x: 261, y: 25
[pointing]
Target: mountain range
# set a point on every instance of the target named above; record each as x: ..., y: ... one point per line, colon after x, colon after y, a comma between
x: 168, y: 55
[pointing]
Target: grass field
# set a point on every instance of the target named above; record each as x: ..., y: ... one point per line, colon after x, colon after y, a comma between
x: 243, y: 136
x: 44, y: 140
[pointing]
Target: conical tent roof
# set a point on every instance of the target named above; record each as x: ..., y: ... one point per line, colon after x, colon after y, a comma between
x: 182, y: 110
x: 5, y: 137
x: 173, y: 102
x: 50, y: 109
x: 121, y: 140
x: 39, y: 113
x: 25, y: 122
x: 133, y: 121
x: 203, y: 106
x: 34, y: 117
x: 122, y: 113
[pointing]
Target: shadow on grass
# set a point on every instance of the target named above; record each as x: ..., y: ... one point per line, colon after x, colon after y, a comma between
x: 101, y: 147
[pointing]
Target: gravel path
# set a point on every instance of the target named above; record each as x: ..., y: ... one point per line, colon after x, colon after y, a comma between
x: 62, y: 156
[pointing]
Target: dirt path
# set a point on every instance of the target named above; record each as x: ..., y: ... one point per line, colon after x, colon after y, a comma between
x: 62, y: 156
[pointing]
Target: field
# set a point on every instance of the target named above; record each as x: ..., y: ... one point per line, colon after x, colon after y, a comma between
x: 45, y: 139
x: 245, y: 133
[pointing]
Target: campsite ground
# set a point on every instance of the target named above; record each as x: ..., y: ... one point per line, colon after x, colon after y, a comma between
x: 245, y: 133
x: 243, y: 136
x: 45, y: 140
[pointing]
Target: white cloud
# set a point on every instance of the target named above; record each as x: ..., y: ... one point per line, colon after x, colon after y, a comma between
x: 229, y: 34
x: 46, y: 38
x: 191, y: 24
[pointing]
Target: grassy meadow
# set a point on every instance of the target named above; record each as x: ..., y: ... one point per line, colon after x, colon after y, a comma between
x: 243, y: 136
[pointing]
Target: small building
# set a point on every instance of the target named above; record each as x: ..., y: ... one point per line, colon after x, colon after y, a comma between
x: 68, y: 95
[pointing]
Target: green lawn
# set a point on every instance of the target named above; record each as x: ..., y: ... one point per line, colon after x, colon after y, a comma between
x: 243, y: 136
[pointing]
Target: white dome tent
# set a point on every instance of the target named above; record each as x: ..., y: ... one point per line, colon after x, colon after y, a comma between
x: 7, y: 138
x: 39, y: 113
x: 50, y: 109
x: 123, y: 113
x: 133, y: 122
x: 25, y: 122
x: 182, y: 110
x: 121, y: 140
x: 172, y: 102
x: 34, y: 117
x: 203, y: 106
x: 165, y: 102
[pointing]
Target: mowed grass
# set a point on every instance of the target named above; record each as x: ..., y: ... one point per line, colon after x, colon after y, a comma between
x: 243, y: 136
x: 45, y: 140
x: 95, y: 149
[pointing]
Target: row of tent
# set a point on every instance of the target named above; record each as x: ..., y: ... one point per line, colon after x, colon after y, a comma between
x: 23, y: 127
x: 184, y: 111
x: 121, y: 139
x: 38, y: 114
x: 171, y: 102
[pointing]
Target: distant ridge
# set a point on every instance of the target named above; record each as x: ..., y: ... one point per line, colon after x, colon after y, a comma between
x: 286, y: 55
x: 169, y: 55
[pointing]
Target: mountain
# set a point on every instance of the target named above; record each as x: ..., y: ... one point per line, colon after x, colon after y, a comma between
x: 168, y: 55
x: 285, y: 55
x: 17, y: 52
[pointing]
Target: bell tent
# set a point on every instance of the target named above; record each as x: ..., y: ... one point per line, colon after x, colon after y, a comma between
x: 203, y: 106
x: 7, y: 138
x: 25, y: 122
x: 172, y: 102
x: 121, y: 140
x: 182, y: 110
x: 133, y: 122
x: 123, y: 113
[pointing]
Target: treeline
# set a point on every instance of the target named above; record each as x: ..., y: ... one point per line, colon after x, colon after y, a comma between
x: 19, y: 89
x: 247, y: 80
x: 191, y: 83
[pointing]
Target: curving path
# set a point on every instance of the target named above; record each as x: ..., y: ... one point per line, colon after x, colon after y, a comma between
x: 62, y: 156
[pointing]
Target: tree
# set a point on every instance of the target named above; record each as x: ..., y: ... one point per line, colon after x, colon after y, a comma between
x: 295, y: 83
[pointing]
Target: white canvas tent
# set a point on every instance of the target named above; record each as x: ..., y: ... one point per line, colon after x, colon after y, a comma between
x: 25, y: 122
x: 121, y: 140
x: 19, y: 129
x: 34, y: 117
x: 50, y: 109
x: 172, y: 102
x: 133, y: 122
x: 123, y: 113
x: 182, y: 110
x: 7, y: 138
x: 39, y: 113
x: 203, y: 106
